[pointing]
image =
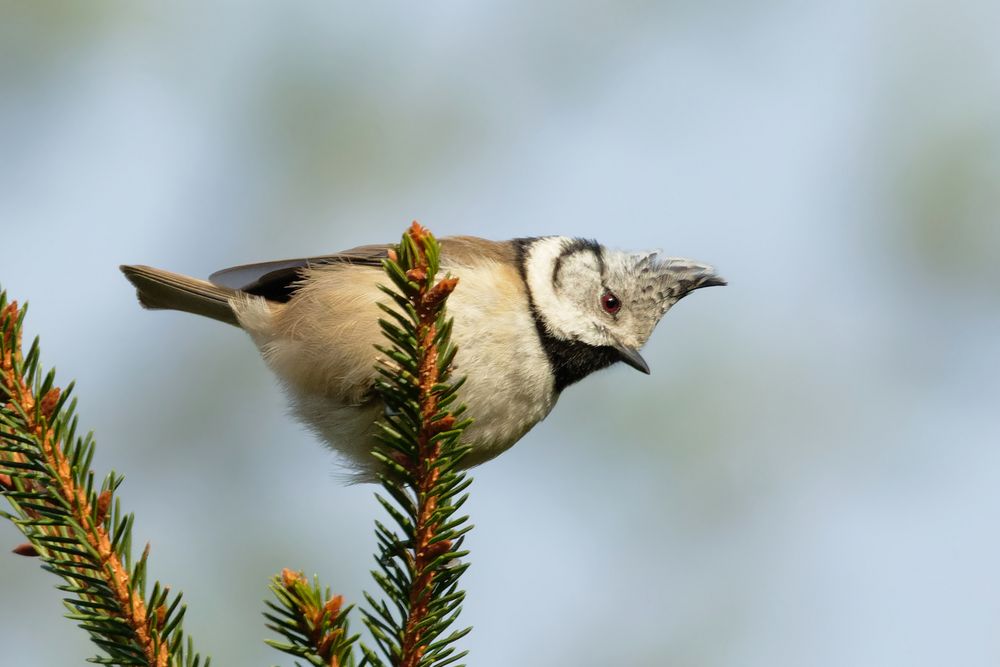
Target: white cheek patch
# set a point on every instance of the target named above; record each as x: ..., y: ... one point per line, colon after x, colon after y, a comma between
x: 560, y: 316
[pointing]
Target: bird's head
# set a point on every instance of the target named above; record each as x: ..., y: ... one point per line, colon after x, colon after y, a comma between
x: 596, y: 306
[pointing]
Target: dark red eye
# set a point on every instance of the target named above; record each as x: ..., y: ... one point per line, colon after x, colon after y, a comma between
x: 610, y: 303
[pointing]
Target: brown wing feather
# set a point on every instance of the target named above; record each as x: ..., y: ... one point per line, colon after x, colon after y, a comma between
x: 468, y: 250
x: 277, y: 280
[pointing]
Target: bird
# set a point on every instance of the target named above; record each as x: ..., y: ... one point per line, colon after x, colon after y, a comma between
x: 532, y: 316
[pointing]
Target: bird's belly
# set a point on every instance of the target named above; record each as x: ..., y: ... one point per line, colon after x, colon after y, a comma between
x: 346, y: 429
x: 508, y: 389
x: 509, y: 385
x: 502, y: 405
x: 326, y: 365
x: 502, y: 414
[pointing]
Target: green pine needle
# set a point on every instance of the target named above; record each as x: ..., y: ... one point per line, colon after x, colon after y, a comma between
x: 74, y: 525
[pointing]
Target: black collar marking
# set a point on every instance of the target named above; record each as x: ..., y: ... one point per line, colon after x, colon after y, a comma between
x: 570, y: 360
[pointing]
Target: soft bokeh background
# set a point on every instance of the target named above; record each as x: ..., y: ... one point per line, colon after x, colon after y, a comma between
x: 811, y: 476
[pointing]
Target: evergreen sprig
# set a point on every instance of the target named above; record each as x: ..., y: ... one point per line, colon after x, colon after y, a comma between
x: 420, y: 455
x: 77, y: 528
x: 74, y: 525
x: 311, y: 620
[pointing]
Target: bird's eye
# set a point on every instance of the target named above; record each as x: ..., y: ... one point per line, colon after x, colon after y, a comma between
x: 610, y: 303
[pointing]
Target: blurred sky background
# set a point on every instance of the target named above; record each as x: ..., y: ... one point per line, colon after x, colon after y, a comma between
x: 811, y: 475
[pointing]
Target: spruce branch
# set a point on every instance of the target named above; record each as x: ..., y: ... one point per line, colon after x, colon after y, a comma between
x: 311, y: 620
x: 420, y: 452
x: 79, y: 532
x: 73, y: 525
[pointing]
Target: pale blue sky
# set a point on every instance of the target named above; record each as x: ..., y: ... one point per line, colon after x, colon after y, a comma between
x: 810, y: 476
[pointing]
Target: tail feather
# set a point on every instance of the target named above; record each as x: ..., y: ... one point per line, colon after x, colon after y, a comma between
x: 158, y: 289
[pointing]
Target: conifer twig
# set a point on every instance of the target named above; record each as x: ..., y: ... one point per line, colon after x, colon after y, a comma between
x: 312, y: 621
x: 421, y: 453
x: 424, y: 469
x: 77, y: 530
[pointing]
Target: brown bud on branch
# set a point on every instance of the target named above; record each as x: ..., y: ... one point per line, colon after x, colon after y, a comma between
x: 49, y: 402
x: 26, y: 549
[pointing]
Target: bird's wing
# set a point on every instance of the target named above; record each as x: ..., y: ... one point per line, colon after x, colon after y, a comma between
x: 276, y: 280
x: 471, y: 250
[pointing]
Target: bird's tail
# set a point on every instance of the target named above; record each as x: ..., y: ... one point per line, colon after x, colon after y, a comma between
x: 158, y: 289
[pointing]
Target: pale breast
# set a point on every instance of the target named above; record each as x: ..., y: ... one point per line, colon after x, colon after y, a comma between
x: 509, y: 386
x: 321, y: 345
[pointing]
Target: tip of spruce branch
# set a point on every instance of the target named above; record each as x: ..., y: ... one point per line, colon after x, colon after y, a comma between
x: 49, y: 402
x: 289, y: 578
x: 8, y: 319
x: 333, y: 605
x: 26, y: 549
x: 417, y: 232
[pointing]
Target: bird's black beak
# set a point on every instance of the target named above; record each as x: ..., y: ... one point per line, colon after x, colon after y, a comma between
x: 631, y: 356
